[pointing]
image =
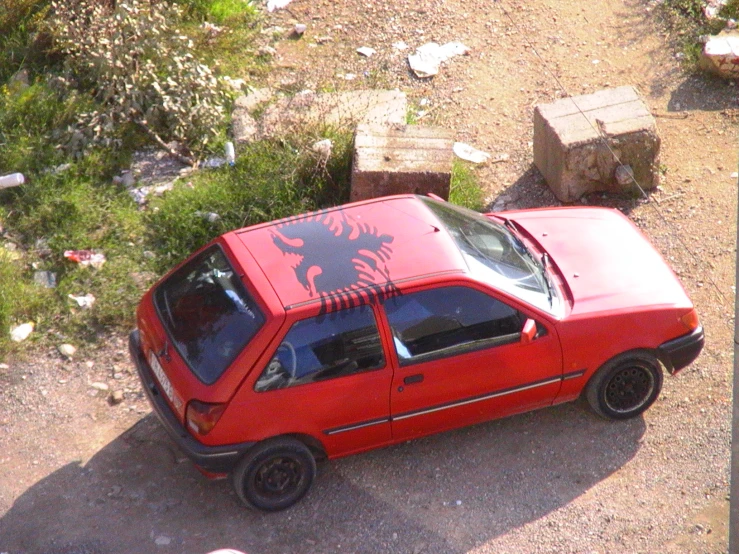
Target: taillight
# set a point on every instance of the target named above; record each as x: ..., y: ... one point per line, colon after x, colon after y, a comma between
x: 690, y: 320
x: 202, y: 417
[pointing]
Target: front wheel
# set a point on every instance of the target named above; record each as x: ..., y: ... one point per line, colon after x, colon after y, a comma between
x: 625, y: 386
x: 275, y: 474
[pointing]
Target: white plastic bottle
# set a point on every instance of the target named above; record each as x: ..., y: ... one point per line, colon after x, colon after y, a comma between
x: 12, y: 180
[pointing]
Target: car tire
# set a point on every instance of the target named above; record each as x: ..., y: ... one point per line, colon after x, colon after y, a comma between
x: 274, y: 474
x: 625, y: 386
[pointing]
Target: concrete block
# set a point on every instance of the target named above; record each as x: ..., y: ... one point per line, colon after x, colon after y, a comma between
x: 570, y: 137
x: 401, y: 159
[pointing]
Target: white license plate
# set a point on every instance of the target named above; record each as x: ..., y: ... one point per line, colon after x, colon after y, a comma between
x: 156, y: 367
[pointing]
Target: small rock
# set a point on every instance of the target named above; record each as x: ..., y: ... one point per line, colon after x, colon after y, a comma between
x: 624, y: 175
x: 127, y: 179
x: 46, y: 279
x: 162, y: 540
x: 67, y: 350
x: 299, y: 29
x: 366, y: 51
x: 99, y: 386
x: 267, y: 51
x: 116, y: 397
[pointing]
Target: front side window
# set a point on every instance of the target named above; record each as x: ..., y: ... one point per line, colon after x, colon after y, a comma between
x: 208, y: 313
x: 442, y: 322
x: 325, y: 347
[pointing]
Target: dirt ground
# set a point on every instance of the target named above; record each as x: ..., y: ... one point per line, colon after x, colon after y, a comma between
x: 81, y: 475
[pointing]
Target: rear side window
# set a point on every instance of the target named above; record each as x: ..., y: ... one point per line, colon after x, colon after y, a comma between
x: 208, y: 313
x: 446, y: 321
x: 325, y: 347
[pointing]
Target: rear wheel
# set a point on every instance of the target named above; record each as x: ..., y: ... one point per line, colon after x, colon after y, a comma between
x: 625, y: 386
x: 275, y: 474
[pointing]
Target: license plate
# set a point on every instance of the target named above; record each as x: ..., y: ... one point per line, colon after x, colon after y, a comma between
x: 164, y: 382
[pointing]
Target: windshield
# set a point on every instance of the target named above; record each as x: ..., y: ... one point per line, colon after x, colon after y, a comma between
x: 495, y: 254
x: 208, y: 313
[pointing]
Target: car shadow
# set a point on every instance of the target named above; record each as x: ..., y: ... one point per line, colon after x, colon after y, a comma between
x: 447, y: 493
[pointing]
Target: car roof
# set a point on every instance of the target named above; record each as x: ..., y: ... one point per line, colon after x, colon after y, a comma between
x: 352, y: 254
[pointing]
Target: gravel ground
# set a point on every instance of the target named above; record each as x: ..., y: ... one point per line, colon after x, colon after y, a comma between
x: 79, y: 474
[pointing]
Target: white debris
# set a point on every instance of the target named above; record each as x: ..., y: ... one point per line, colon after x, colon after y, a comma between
x: 213, y: 163
x: 323, y: 147
x: 21, y: 332
x: 366, y: 51
x: 426, y: 60
x: 273, y: 5
x: 469, y: 153
x: 85, y: 301
x: 163, y: 540
x: 400, y: 45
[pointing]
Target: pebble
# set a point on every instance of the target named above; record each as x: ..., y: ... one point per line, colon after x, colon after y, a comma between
x: 67, y: 350
x: 116, y: 397
x: 99, y: 386
x: 162, y: 540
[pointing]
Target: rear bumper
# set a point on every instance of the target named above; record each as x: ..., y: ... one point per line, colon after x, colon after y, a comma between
x: 213, y: 459
x: 682, y: 351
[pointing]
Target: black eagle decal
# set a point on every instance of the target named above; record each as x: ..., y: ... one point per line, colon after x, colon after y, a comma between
x: 342, y: 261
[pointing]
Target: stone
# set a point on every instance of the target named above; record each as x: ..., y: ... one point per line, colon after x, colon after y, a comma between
x: 67, y: 350
x: 401, y: 159
x: 338, y: 109
x: 116, y: 397
x: 575, y: 140
x: 721, y: 54
x: 243, y: 127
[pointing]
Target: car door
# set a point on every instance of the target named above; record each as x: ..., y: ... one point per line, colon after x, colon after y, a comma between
x: 328, y: 377
x: 461, y: 359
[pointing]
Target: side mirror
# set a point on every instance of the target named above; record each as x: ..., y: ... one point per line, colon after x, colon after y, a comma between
x: 528, y: 333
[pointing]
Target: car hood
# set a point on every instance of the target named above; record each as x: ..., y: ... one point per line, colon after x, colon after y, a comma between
x: 604, y: 259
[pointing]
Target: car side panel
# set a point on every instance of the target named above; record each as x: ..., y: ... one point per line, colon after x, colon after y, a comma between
x: 452, y: 392
x: 589, y: 342
x: 345, y: 414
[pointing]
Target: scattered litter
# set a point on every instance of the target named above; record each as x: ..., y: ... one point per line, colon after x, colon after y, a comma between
x: 230, y: 153
x: 12, y: 180
x: 127, y: 179
x: 99, y: 386
x: 350, y: 76
x: 46, y: 279
x: 400, y: 45
x: 366, y: 51
x: 21, y: 332
x: 67, y: 350
x: 426, y: 60
x: 86, y: 258
x: 469, y: 153
x: 84, y: 302
x: 300, y: 29
x: 273, y: 5
x: 210, y: 217
x: 323, y: 147
x: 214, y: 163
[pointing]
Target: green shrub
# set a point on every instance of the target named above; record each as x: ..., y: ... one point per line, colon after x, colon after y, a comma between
x: 21, y: 43
x: 139, y: 67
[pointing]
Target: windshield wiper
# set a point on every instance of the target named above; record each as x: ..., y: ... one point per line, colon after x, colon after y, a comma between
x: 544, y: 264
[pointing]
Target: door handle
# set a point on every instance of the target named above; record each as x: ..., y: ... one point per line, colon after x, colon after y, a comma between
x: 417, y: 378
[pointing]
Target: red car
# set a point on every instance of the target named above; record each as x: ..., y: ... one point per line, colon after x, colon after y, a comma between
x: 348, y: 329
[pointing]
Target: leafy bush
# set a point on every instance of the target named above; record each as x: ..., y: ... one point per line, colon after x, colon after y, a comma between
x: 140, y: 69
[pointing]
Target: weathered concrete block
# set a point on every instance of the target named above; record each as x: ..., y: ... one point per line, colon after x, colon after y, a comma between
x: 401, y: 159
x: 721, y: 54
x: 569, y: 147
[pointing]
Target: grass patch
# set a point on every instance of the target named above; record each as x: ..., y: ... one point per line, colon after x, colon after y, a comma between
x: 464, y: 189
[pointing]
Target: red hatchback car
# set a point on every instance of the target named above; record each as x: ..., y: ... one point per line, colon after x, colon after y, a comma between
x: 348, y: 329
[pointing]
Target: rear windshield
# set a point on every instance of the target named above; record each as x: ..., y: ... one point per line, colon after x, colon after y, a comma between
x: 208, y: 313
